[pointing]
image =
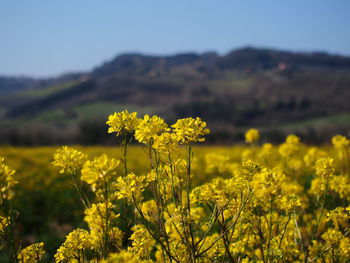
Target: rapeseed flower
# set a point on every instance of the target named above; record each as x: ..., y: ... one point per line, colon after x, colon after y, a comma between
x: 252, y: 135
x: 340, y: 141
x: 7, y: 182
x: 166, y: 142
x: 124, y: 257
x: 4, y: 223
x: 76, y: 247
x: 99, y: 171
x: 69, y: 160
x: 122, y: 122
x: 190, y: 130
x: 32, y: 254
x: 148, y: 128
x: 290, y: 147
x: 324, y: 167
x: 142, y: 242
x: 132, y: 186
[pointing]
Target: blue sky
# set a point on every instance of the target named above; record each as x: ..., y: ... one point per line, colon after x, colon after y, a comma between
x: 47, y: 37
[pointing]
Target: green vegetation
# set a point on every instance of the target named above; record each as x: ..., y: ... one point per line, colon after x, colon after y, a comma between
x: 46, y: 91
x: 102, y: 109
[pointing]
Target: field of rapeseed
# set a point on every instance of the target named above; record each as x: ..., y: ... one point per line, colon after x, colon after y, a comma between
x: 172, y: 200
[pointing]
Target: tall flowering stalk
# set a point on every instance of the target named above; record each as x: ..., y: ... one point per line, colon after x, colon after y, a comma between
x: 70, y: 161
x: 123, y: 124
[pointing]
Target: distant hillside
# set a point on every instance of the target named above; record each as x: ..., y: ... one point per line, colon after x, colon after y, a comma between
x: 277, y: 91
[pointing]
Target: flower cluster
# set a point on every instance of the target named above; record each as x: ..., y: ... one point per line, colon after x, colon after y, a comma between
x: 7, y: 182
x: 122, y: 122
x: 124, y: 257
x: 142, y: 242
x: 76, y: 247
x: 32, y: 254
x: 166, y: 142
x: 252, y: 135
x: 99, y: 171
x: 340, y: 141
x: 190, y: 130
x: 149, y: 128
x: 100, y: 218
x: 69, y: 160
x: 132, y: 186
x: 4, y: 223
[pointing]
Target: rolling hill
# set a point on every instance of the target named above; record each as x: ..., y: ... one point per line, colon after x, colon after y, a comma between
x: 276, y: 91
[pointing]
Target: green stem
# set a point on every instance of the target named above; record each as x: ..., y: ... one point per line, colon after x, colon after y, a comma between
x: 270, y: 232
x: 125, y: 152
x: 284, y: 231
x: 189, y: 184
x: 82, y: 193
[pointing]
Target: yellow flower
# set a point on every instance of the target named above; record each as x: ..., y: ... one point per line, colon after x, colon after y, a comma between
x: 318, y: 186
x: 289, y: 202
x: 149, y: 128
x: 69, y: 160
x: 95, y: 216
x: 142, y: 242
x: 166, y: 142
x: 332, y: 237
x: 252, y: 135
x: 266, y: 152
x: 316, y: 249
x: 295, y: 163
x: 290, y: 147
x: 7, y: 182
x: 341, y: 185
x: 344, y: 248
x: 340, y: 141
x: 247, y: 154
x: 4, y: 223
x: 99, y: 171
x: 268, y: 184
x: 77, y: 244
x: 149, y: 210
x: 190, y: 130
x: 292, y: 139
x: 124, y: 257
x: 324, y: 167
x: 122, y: 122
x: 339, y: 217
x: 32, y: 254
x: 312, y: 155
x: 132, y: 186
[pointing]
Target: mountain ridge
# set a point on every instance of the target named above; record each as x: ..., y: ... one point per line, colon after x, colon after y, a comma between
x: 337, y: 60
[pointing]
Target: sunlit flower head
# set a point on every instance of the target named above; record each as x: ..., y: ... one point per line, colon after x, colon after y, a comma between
x: 150, y: 127
x: 166, y: 142
x: 69, y: 160
x: 122, y: 122
x: 31, y: 254
x: 190, y: 130
x: 7, y: 182
x: 340, y: 141
x: 252, y: 135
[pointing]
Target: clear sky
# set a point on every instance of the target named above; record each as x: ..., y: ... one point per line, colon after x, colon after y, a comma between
x: 47, y: 37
